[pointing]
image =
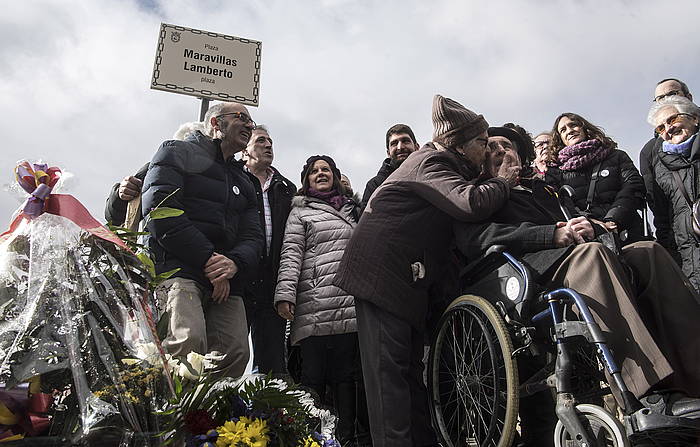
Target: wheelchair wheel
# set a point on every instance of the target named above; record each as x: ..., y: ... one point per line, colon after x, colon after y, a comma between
x: 601, y: 425
x: 472, y: 378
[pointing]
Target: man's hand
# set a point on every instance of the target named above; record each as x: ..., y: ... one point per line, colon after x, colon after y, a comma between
x: 563, y: 236
x: 581, y: 227
x: 129, y: 188
x: 510, y: 169
x: 576, y: 231
x: 285, y: 309
x: 220, y: 267
x: 222, y: 288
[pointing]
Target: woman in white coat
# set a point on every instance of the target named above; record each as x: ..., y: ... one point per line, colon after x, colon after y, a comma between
x: 319, y: 227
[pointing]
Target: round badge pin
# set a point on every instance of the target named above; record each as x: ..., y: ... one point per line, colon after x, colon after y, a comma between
x: 604, y: 173
x: 235, y: 190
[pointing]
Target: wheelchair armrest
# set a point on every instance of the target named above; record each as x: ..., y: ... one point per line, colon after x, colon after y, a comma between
x: 492, y: 259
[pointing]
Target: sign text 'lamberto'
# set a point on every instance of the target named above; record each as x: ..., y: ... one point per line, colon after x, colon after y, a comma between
x: 207, y: 65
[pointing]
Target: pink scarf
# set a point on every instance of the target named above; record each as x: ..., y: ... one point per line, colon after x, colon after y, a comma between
x: 583, y: 154
x: 332, y: 197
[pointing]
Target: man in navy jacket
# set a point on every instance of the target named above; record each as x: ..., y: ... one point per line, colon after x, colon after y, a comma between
x: 215, y: 243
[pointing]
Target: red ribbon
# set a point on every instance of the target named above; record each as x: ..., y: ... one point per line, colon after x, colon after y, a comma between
x: 31, y: 414
x: 69, y: 207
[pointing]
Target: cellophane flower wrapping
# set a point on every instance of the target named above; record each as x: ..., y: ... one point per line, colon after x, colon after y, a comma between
x: 75, y: 311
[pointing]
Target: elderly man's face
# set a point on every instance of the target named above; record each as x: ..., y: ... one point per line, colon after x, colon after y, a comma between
x: 668, y: 88
x: 236, y: 125
x: 498, y: 147
x: 259, y: 148
x: 673, y: 126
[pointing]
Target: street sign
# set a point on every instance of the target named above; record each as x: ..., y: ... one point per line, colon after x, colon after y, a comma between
x: 207, y: 65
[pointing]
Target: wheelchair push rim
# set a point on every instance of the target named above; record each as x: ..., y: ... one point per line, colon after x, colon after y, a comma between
x: 472, y: 377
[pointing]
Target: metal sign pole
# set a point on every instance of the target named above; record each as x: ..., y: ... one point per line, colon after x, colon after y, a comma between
x: 203, y: 108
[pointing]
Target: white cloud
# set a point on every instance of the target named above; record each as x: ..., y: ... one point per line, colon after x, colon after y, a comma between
x: 335, y: 74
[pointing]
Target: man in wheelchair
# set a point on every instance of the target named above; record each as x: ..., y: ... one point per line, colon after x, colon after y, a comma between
x: 639, y: 298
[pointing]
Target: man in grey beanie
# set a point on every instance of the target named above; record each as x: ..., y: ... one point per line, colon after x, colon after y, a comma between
x: 395, y: 262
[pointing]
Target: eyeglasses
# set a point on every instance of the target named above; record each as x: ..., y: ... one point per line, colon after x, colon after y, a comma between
x: 670, y: 93
x: 240, y: 115
x: 670, y: 121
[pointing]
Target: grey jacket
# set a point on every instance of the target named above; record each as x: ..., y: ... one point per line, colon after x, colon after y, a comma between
x: 314, y: 241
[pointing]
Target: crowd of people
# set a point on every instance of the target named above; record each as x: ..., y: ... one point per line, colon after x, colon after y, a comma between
x: 358, y: 280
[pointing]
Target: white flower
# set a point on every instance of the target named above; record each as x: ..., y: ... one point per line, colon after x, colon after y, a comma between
x: 196, y: 361
x: 148, y: 352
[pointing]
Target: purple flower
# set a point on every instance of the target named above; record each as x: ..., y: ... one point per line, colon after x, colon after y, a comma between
x: 238, y: 407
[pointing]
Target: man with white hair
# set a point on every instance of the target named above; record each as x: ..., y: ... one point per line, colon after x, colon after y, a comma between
x: 215, y: 244
x: 130, y: 187
x: 274, y: 194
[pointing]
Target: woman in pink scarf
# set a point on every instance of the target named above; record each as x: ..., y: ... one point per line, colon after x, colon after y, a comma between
x: 607, y: 186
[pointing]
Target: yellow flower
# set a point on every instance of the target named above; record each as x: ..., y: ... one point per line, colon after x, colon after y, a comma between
x: 245, y: 432
x: 309, y: 442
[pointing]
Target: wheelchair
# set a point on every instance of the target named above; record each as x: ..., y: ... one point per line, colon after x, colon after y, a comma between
x: 503, y: 315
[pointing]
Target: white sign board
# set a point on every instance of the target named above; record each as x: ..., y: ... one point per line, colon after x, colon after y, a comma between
x: 207, y: 65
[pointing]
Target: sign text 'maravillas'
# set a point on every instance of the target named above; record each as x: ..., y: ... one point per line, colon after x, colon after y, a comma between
x: 212, y: 58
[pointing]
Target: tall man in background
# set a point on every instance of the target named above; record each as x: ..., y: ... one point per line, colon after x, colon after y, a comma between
x: 274, y: 194
x: 400, y: 143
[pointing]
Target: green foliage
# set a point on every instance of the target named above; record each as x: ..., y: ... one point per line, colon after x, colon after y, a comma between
x: 164, y: 213
x: 223, y: 399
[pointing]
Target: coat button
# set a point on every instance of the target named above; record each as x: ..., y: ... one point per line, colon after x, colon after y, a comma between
x: 235, y: 190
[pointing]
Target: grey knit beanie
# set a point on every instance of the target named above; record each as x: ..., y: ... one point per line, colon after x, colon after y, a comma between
x: 450, y: 117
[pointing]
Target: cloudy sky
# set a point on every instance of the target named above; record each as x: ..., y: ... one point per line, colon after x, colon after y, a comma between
x: 74, y: 78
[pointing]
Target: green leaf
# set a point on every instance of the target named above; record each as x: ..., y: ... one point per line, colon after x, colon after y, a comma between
x: 148, y: 262
x: 178, y: 385
x: 165, y: 275
x: 165, y: 212
x: 162, y: 326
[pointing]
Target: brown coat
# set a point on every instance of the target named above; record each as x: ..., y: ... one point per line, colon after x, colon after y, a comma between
x: 409, y: 219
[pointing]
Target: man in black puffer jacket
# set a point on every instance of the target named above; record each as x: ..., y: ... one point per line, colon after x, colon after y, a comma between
x: 400, y: 143
x: 215, y: 243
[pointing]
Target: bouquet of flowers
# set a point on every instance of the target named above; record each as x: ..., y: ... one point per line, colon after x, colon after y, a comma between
x: 75, y: 319
x: 255, y: 411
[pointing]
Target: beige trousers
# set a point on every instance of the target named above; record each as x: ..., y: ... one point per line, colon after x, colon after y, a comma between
x: 198, y: 324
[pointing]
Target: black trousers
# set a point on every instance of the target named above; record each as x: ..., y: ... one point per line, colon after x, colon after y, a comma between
x: 328, y: 359
x: 392, y: 365
x: 331, y: 361
x: 266, y: 330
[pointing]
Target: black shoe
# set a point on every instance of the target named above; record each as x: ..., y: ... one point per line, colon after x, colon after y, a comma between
x: 673, y: 404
